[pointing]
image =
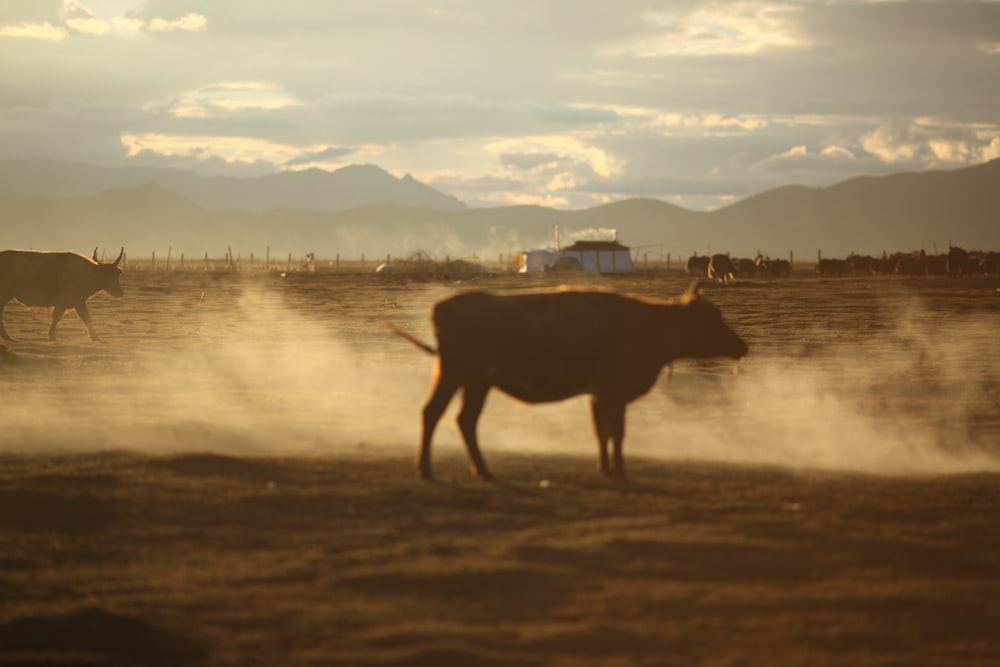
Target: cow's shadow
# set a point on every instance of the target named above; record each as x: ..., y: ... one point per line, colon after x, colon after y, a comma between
x: 94, y: 636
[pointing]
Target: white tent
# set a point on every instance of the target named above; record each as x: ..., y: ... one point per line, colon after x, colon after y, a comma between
x: 600, y: 256
x: 589, y: 256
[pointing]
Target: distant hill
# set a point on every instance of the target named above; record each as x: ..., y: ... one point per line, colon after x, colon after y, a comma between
x: 866, y: 215
x: 904, y: 211
x: 310, y: 189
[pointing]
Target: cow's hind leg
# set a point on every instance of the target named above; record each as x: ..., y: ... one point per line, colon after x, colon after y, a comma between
x: 616, y: 416
x: 473, y: 399
x: 435, y: 407
x: 57, y: 313
x: 602, y: 430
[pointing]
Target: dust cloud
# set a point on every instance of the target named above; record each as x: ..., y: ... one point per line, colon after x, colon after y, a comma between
x: 260, y: 376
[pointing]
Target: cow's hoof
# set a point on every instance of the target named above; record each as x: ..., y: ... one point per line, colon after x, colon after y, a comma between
x: 483, y: 474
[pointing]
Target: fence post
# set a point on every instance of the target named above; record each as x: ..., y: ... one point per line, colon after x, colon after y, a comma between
x: 362, y: 261
x: 152, y: 262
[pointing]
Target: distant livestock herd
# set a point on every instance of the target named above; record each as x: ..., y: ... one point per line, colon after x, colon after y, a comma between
x: 956, y: 262
x: 725, y: 269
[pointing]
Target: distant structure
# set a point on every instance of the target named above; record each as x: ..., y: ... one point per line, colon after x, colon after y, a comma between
x: 589, y: 256
x: 600, y: 256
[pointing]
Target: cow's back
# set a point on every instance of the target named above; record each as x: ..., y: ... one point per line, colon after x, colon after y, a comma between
x: 534, y: 346
x: 39, y: 278
x: 543, y: 319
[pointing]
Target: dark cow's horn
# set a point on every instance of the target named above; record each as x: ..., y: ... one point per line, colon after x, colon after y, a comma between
x: 95, y: 254
x: 120, y: 255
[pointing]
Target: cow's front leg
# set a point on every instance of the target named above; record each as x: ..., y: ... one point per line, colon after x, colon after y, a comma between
x: 84, y: 313
x: 473, y: 398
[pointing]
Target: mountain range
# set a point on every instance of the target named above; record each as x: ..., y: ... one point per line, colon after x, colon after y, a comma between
x: 365, y: 210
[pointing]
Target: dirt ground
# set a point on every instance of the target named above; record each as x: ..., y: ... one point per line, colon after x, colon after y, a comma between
x: 225, y: 478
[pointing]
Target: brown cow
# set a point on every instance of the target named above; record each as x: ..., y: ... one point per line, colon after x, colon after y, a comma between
x: 550, y: 346
x: 57, y: 280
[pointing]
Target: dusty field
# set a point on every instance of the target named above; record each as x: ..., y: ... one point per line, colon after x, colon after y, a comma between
x: 226, y: 479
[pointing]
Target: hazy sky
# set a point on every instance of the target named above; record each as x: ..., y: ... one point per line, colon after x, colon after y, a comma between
x: 560, y: 103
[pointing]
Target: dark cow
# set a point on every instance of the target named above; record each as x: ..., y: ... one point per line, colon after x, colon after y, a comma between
x: 860, y: 265
x: 721, y: 269
x: 697, y: 266
x: 833, y: 267
x: 57, y: 280
x: 957, y: 262
x: 745, y: 267
x: 551, y: 346
x: 775, y: 268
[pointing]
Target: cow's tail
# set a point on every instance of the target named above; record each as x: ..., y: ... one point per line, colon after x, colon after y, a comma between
x: 419, y: 343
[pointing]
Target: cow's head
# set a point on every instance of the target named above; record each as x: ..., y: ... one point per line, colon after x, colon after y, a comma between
x: 708, y: 334
x: 109, y: 275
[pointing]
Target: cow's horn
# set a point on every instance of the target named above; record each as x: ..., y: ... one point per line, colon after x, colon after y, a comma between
x: 95, y: 254
x: 120, y: 255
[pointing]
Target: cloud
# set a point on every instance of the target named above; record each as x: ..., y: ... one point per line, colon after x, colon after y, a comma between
x: 529, y: 161
x: 689, y: 101
x: 206, y: 165
x: 561, y: 181
x: 929, y: 143
x: 706, y: 123
x: 331, y: 154
x: 891, y: 143
x: 190, y: 22
x: 575, y: 148
x: 799, y: 158
x: 78, y: 18
x: 233, y: 149
x: 716, y: 29
x: 224, y: 99
x: 43, y: 31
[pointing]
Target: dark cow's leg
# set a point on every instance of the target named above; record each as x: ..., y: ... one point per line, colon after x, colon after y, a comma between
x: 609, y: 424
x: 57, y: 313
x: 602, y: 430
x: 616, y: 418
x: 435, y: 407
x: 473, y: 399
x: 84, y: 314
